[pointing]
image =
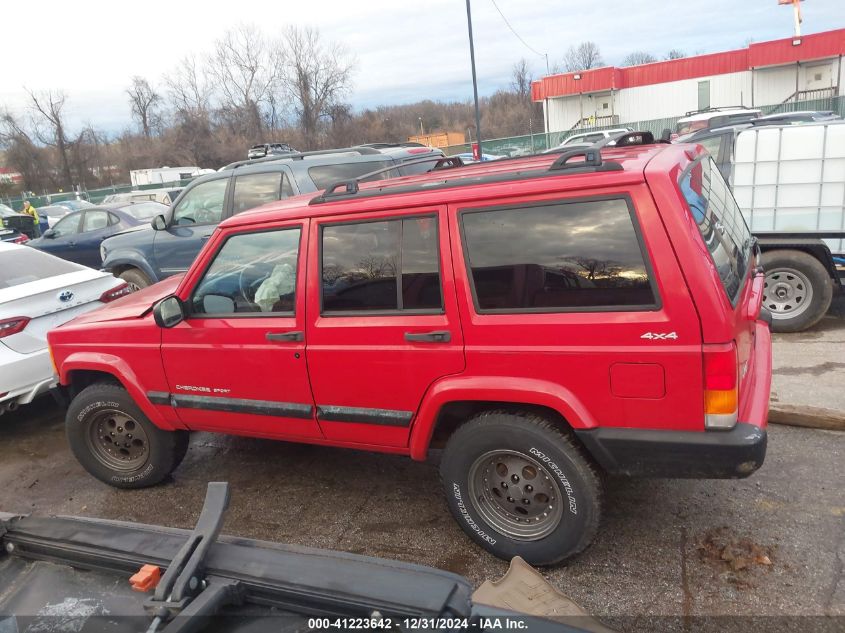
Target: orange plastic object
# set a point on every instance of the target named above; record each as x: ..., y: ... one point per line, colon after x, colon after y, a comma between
x: 146, y: 579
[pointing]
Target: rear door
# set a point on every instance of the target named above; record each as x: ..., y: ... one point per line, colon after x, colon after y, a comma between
x: 382, y: 321
x: 97, y: 225
x: 192, y: 222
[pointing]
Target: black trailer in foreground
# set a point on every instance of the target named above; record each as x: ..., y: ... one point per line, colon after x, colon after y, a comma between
x: 73, y: 574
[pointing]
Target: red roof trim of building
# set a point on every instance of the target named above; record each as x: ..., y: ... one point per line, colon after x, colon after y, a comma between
x: 773, y: 53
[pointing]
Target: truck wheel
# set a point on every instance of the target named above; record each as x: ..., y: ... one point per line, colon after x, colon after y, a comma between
x: 518, y: 486
x: 116, y: 443
x: 135, y: 279
x: 798, y: 289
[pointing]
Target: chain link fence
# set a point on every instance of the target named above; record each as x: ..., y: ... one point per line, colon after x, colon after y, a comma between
x: 94, y: 196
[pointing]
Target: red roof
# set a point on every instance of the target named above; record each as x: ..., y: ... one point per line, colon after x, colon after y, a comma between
x: 776, y: 52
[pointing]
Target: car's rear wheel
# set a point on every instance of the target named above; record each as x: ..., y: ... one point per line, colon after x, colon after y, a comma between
x: 519, y: 486
x: 116, y: 443
x: 135, y: 279
x: 798, y: 290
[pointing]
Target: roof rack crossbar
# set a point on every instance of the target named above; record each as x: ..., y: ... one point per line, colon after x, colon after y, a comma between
x: 718, y: 109
x: 592, y: 158
x: 302, y: 155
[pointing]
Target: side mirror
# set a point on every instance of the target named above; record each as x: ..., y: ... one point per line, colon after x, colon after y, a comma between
x: 169, y: 312
x: 49, y: 234
x: 159, y: 223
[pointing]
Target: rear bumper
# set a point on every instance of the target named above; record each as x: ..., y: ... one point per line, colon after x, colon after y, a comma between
x: 24, y: 376
x: 730, y: 454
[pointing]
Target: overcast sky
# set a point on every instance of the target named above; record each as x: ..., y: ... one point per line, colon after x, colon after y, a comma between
x: 406, y: 50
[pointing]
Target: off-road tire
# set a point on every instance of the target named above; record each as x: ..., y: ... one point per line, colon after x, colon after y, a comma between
x: 135, y: 278
x: 816, y: 275
x: 164, y: 449
x: 526, y: 434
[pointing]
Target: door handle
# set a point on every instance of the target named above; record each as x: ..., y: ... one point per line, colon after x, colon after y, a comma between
x: 438, y: 336
x: 285, y: 336
x: 205, y: 237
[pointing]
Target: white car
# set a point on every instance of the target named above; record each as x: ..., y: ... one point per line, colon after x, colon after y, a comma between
x: 39, y: 292
x: 588, y: 138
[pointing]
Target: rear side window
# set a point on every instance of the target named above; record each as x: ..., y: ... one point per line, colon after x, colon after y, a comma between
x: 720, y: 222
x: 381, y: 266
x: 326, y: 175
x: 559, y: 257
x: 253, y: 190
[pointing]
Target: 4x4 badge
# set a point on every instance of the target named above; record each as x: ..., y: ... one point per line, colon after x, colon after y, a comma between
x: 660, y: 336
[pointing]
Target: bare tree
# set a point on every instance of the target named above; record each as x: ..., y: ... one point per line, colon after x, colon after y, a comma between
x: 144, y: 101
x: 48, y: 107
x: 521, y: 79
x: 582, y: 57
x: 675, y: 54
x: 21, y: 152
x: 316, y: 77
x: 638, y: 57
x: 246, y: 70
x: 188, y: 89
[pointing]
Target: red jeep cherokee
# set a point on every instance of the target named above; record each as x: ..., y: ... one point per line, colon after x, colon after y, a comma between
x: 542, y: 320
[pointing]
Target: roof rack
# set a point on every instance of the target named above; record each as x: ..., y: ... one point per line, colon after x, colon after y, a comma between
x: 592, y: 163
x: 351, y: 185
x: 388, y: 145
x: 718, y: 109
x: 363, y: 150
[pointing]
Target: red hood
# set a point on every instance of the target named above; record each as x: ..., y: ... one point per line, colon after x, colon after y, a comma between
x: 131, y: 306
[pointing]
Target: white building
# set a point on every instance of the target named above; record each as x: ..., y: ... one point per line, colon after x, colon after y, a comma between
x: 767, y: 73
x: 162, y: 175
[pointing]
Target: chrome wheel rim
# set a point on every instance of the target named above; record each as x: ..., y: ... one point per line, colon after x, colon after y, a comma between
x: 117, y: 441
x: 787, y: 293
x: 516, y: 495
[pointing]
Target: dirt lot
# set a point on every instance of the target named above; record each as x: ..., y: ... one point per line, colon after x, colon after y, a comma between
x: 773, y: 544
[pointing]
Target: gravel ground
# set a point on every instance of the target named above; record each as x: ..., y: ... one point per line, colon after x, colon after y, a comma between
x: 770, y: 545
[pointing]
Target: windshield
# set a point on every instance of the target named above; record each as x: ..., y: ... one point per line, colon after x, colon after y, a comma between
x: 6, y: 211
x: 24, y: 265
x: 720, y: 222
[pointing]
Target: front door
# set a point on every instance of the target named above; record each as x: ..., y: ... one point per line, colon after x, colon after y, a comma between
x: 382, y: 322
x: 193, y: 221
x: 62, y: 240
x: 236, y: 364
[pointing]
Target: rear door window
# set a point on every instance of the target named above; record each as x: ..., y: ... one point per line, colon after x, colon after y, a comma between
x: 326, y: 175
x: 557, y: 257
x: 390, y: 265
x: 253, y: 190
x: 720, y: 222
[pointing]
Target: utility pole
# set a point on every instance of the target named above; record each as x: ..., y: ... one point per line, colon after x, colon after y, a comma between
x: 474, y: 81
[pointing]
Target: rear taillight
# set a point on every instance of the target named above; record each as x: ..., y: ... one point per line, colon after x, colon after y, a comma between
x: 115, y: 293
x: 21, y: 239
x: 12, y: 326
x: 720, y: 386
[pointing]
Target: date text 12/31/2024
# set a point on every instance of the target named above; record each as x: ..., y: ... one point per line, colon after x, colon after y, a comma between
x: 381, y: 623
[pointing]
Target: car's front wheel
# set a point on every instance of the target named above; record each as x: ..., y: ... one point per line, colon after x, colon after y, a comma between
x: 518, y: 486
x: 135, y: 279
x: 116, y: 443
